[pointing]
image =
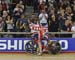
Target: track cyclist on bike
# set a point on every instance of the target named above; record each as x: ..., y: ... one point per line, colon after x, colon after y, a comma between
x: 38, y: 34
x: 39, y: 30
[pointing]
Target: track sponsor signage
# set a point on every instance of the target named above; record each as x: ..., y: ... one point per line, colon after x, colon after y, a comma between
x: 18, y: 44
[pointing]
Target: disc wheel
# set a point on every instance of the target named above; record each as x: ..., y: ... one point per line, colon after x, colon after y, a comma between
x: 54, y: 47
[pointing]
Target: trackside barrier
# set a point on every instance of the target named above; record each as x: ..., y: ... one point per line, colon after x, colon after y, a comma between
x: 18, y: 44
x: 31, y: 33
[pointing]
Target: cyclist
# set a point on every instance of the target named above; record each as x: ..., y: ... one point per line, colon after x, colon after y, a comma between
x: 38, y: 31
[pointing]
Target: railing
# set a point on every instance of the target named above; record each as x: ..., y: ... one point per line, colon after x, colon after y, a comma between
x: 31, y: 33
x: 28, y: 34
x: 15, y: 33
x: 61, y: 32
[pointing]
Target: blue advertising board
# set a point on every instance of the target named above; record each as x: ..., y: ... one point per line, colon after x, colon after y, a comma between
x: 67, y: 44
x: 18, y: 44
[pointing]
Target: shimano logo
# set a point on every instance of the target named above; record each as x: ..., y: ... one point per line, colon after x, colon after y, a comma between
x: 19, y: 45
x: 12, y: 45
x: 64, y: 44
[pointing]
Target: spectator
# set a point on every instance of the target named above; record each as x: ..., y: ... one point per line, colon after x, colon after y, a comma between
x: 24, y: 25
x: 61, y: 18
x: 0, y: 9
x: 1, y: 25
x: 17, y: 13
x: 18, y: 28
x: 73, y: 15
x: 66, y: 28
x: 33, y: 19
x: 5, y: 14
x: 51, y: 12
x: 43, y: 6
x: 68, y: 10
x: 69, y: 18
x: 54, y: 25
x: 4, y: 5
x: 10, y: 24
x: 51, y: 7
x: 21, y: 5
x: 18, y: 25
x: 43, y: 16
x: 4, y: 17
x: 53, y: 4
x: 73, y: 30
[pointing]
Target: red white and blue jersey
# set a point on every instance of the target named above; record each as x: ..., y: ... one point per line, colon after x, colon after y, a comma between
x: 38, y: 28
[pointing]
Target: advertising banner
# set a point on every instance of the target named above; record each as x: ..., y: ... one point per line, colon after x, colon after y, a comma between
x: 67, y: 44
x: 18, y: 44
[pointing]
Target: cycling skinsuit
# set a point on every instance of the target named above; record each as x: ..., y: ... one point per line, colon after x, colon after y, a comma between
x: 38, y: 30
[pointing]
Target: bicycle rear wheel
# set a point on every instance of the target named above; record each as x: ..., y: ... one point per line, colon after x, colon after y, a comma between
x: 54, y: 47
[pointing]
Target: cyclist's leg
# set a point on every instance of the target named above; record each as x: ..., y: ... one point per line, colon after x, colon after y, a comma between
x: 36, y: 37
x: 40, y: 47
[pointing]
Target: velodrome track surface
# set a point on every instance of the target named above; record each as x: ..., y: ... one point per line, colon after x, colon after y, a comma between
x: 28, y: 56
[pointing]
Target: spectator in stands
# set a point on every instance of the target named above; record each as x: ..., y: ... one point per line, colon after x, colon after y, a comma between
x: 1, y: 25
x: 0, y: 8
x: 51, y: 12
x: 21, y: 5
x: 68, y: 11
x: 4, y: 17
x: 18, y: 25
x: 61, y: 18
x: 43, y: 6
x: 73, y: 15
x: 53, y: 4
x: 5, y: 14
x: 18, y: 9
x: 69, y: 18
x: 43, y: 16
x: 54, y: 25
x: 18, y: 28
x: 50, y: 7
x: 73, y: 29
x: 73, y: 4
x: 4, y: 5
x: 33, y: 19
x: 66, y: 28
x: 17, y: 13
x: 24, y: 25
x: 10, y: 24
